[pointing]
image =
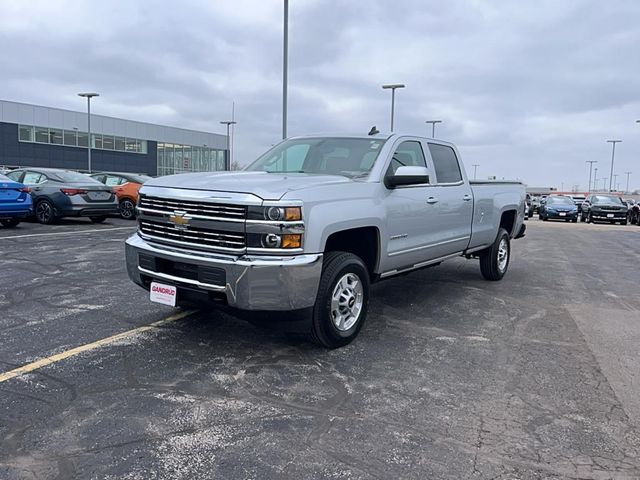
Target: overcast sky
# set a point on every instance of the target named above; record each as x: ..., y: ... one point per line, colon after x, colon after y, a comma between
x: 526, y: 89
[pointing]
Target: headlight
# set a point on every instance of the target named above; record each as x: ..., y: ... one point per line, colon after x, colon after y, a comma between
x: 275, y: 214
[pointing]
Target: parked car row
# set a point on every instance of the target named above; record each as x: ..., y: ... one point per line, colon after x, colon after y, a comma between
x: 594, y: 208
x: 49, y: 194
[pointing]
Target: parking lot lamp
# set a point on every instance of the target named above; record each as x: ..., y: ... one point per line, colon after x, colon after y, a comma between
x: 613, y: 155
x: 433, y: 126
x: 227, y: 158
x: 591, y: 162
x: 89, y: 96
x: 628, y: 174
x: 285, y: 67
x: 393, y: 87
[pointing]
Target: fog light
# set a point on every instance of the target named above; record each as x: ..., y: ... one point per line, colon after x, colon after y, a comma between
x: 271, y: 240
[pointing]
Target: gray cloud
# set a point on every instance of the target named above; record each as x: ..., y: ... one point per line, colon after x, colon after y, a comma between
x: 526, y: 89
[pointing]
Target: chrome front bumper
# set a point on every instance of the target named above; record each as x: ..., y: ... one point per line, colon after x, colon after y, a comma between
x: 251, y: 282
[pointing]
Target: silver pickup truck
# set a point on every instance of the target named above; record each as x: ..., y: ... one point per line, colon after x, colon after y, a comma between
x: 314, y: 221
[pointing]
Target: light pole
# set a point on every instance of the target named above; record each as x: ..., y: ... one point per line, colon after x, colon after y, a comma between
x: 475, y: 169
x: 615, y: 179
x: 393, y: 87
x: 604, y: 183
x: 595, y: 179
x: 285, y: 67
x: 591, y: 162
x: 89, y: 96
x: 227, y: 159
x: 627, y: 174
x: 613, y: 155
x: 433, y: 126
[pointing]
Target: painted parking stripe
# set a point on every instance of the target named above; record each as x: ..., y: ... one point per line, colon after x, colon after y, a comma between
x: 43, y: 362
x: 73, y: 232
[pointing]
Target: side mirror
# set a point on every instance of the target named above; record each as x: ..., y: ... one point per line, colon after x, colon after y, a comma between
x: 407, y: 176
x: 543, y: 201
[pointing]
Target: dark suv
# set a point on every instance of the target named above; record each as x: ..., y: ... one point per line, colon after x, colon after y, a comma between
x: 604, y: 208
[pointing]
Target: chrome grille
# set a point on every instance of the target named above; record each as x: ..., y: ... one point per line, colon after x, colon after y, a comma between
x: 193, y: 208
x: 195, y: 237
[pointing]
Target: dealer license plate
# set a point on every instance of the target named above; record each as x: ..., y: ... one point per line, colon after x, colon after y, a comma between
x: 609, y: 215
x: 563, y: 214
x: 99, y: 195
x: 164, y: 294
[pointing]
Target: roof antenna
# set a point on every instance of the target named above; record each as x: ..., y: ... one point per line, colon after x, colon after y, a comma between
x: 373, y: 131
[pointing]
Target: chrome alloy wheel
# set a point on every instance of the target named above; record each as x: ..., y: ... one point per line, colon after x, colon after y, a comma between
x: 503, y: 254
x: 346, y: 302
x: 127, y: 209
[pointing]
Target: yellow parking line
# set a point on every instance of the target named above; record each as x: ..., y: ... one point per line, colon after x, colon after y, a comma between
x: 43, y: 362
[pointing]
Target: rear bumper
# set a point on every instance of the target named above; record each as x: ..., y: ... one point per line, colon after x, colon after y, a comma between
x: 89, y: 210
x: 245, y: 282
x: 16, y: 212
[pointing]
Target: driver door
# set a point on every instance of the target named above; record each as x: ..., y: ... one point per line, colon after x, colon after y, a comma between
x: 409, y: 212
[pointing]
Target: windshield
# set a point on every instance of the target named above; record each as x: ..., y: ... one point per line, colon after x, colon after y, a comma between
x: 350, y: 157
x: 607, y: 200
x: 69, y: 176
x: 560, y: 200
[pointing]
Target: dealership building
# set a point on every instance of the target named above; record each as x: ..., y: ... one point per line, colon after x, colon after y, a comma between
x: 37, y: 136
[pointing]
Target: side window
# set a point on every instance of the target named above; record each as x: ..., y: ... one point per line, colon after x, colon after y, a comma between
x: 99, y: 178
x: 112, y: 181
x: 408, y: 154
x: 33, y: 178
x: 15, y: 176
x: 445, y: 163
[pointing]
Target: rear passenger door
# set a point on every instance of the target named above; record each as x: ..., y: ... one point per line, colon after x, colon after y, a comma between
x: 454, y: 199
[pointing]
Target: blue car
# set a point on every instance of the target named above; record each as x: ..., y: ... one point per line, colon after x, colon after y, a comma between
x: 15, y: 202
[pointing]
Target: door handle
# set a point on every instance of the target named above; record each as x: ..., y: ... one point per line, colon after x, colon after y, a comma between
x: 466, y: 198
x: 432, y: 200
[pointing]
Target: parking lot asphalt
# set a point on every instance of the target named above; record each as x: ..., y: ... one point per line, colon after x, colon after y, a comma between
x: 452, y: 377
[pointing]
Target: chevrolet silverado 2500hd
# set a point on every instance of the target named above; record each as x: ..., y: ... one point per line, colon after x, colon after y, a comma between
x: 312, y: 222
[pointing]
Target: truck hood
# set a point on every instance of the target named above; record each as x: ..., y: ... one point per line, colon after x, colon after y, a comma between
x: 268, y: 186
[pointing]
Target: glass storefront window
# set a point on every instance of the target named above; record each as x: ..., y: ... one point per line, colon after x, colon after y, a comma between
x: 71, y: 138
x: 83, y: 139
x: 42, y: 135
x: 107, y: 142
x: 119, y: 143
x: 97, y: 141
x: 55, y: 136
x: 25, y: 133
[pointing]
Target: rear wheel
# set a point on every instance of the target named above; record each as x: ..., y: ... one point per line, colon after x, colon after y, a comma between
x: 343, y: 296
x: 494, y: 261
x: 10, y: 222
x: 45, y: 213
x: 98, y: 219
x: 127, y: 209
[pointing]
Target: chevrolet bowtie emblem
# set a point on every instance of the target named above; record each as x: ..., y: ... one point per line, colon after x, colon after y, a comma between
x: 180, y: 219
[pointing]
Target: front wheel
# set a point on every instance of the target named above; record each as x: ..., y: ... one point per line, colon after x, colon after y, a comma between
x: 10, y: 222
x: 343, y: 297
x: 127, y: 209
x: 494, y: 261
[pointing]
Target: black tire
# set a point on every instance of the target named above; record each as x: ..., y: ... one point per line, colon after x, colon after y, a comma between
x: 336, y: 267
x: 98, y: 219
x: 575, y: 220
x: 545, y: 218
x: 10, y: 222
x: 45, y: 212
x: 590, y: 218
x: 127, y: 209
x: 583, y: 218
x: 491, y: 259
